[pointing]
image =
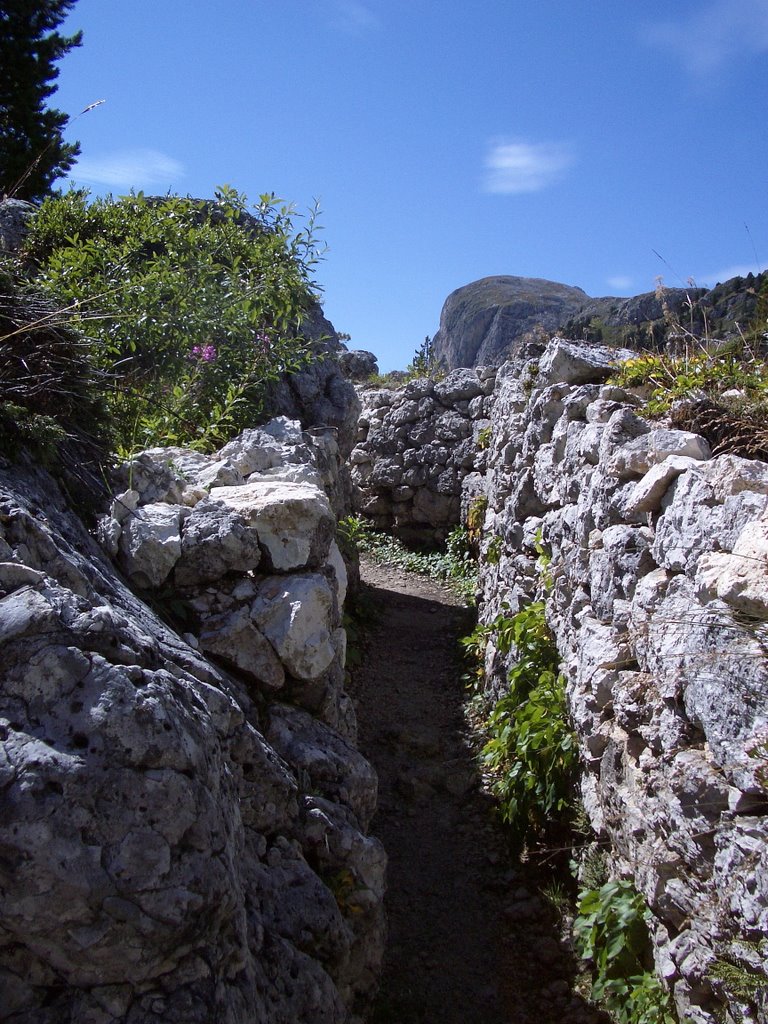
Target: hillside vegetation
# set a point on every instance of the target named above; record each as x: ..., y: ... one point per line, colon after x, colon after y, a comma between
x: 177, y: 313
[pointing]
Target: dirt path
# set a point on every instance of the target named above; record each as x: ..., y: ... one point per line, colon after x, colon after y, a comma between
x: 470, y: 942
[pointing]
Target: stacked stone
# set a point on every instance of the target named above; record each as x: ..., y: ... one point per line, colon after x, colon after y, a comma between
x: 415, y: 447
x: 184, y: 816
x: 657, y: 592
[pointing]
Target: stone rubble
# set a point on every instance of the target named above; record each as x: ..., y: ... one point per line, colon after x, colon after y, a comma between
x: 184, y: 817
x: 656, y: 590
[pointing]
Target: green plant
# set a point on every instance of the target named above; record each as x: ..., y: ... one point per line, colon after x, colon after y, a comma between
x: 33, y: 152
x: 611, y: 933
x: 425, y: 362
x: 454, y: 565
x: 193, y: 308
x: 739, y: 972
x: 543, y: 561
x: 500, y: 631
x: 494, y: 549
x: 476, y: 516
x: 484, y: 438
x: 531, y: 750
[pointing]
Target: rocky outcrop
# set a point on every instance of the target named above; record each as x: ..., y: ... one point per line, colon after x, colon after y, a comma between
x: 184, y: 811
x: 415, y: 446
x: 358, y: 364
x: 489, y: 321
x: 14, y: 214
x: 319, y: 395
x: 503, y: 319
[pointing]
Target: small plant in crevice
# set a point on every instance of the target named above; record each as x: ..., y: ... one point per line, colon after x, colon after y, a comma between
x: 611, y: 934
x: 740, y: 976
x: 476, y: 517
x: 484, y: 438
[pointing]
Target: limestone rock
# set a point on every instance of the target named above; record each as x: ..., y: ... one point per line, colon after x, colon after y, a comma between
x: 568, y: 362
x: 150, y: 543
x: 216, y: 540
x: 296, y: 616
x: 293, y: 521
x: 162, y: 860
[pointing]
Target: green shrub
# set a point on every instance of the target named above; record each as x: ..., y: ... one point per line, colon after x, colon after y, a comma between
x: 193, y: 308
x: 531, y: 750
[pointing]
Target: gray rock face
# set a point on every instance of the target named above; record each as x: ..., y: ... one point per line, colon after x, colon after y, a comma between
x: 171, y: 835
x: 485, y: 322
x: 358, y: 364
x: 320, y: 395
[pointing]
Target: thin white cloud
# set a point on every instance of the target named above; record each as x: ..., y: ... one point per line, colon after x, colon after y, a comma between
x: 717, y: 33
x: 514, y: 167
x: 129, y: 168
x: 354, y: 17
x: 620, y: 282
x: 726, y: 273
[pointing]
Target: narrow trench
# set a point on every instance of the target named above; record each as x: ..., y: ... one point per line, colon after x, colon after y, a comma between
x: 470, y: 940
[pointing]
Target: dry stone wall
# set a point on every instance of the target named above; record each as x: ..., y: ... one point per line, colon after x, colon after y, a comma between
x: 415, y: 446
x: 657, y: 593
x: 184, y: 816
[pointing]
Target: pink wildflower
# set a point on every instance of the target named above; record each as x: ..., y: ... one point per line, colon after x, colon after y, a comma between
x: 203, y: 353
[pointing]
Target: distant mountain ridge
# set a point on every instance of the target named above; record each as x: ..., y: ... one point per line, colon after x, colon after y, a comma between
x: 498, y: 318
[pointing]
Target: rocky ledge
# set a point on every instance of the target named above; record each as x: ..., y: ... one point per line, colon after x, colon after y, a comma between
x: 184, y: 811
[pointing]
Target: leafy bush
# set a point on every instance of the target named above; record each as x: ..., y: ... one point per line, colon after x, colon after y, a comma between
x: 193, y: 307
x: 531, y: 750
x: 703, y: 373
x: 611, y: 932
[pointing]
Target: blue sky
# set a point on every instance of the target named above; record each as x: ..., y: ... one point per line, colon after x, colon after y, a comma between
x: 445, y: 141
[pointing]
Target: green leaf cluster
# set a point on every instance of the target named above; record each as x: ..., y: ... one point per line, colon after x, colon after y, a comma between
x: 193, y: 308
x: 611, y: 932
x: 531, y: 751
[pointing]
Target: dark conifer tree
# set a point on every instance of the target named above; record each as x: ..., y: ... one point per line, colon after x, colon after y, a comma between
x: 32, y: 151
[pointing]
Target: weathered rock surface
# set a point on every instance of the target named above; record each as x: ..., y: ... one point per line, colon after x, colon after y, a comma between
x: 358, y: 364
x: 415, y: 447
x: 14, y: 214
x: 172, y: 838
x: 656, y: 596
x: 486, y: 322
